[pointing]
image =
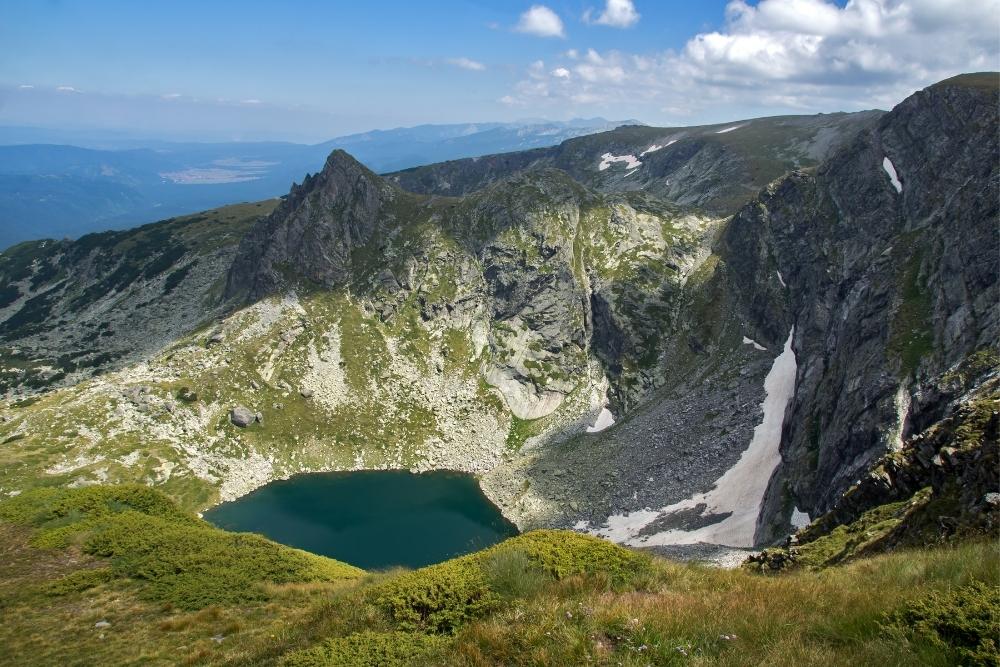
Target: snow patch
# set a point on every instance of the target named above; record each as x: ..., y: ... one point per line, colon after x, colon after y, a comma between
x: 780, y: 279
x: 604, y: 420
x: 891, y: 170
x: 902, y: 402
x: 730, y: 128
x: 631, y: 161
x: 751, y: 341
x: 800, y: 519
x: 656, y: 147
x: 738, y: 495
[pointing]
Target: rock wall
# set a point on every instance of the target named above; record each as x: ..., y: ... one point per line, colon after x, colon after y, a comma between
x: 887, y: 287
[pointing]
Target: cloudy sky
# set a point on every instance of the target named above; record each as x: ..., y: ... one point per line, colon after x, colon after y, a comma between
x: 307, y: 71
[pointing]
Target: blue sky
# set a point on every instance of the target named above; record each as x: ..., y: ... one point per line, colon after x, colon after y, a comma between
x: 313, y: 70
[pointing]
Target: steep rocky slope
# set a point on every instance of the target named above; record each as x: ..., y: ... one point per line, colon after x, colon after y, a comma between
x: 715, y: 167
x: 69, y: 309
x: 888, y: 254
x: 755, y: 365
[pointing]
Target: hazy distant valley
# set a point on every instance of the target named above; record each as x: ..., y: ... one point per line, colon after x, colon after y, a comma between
x: 65, y: 184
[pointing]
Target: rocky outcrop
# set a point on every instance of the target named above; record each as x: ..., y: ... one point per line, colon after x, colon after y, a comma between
x: 942, y: 484
x: 314, y: 231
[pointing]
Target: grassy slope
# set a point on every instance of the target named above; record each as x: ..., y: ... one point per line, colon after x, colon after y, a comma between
x: 546, y: 597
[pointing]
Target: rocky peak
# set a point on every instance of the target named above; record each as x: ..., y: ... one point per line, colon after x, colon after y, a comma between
x: 313, y: 231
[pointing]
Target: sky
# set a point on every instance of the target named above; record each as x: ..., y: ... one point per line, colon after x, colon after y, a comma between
x: 307, y: 71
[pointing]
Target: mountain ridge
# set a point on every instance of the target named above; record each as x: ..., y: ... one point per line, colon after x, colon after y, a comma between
x: 488, y: 332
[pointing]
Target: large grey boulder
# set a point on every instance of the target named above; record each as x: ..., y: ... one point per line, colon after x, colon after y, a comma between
x: 241, y: 416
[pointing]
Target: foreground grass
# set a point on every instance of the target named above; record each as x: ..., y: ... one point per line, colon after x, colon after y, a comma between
x: 169, y: 589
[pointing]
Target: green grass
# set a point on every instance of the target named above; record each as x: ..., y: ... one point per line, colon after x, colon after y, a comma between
x: 129, y: 556
x: 176, y: 558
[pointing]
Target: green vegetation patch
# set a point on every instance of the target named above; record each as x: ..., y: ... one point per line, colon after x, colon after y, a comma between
x: 369, y: 649
x: 79, y: 581
x: 441, y: 598
x: 911, y: 338
x: 178, y: 558
x: 963, y: 623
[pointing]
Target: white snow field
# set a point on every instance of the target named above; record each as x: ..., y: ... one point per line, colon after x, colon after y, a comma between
x: 891, y: 170
x: 604, y: 420
x: 739, y: 493
x: 631, y: 161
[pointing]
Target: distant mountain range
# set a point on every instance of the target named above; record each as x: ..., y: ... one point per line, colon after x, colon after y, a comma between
x: 48, y: 189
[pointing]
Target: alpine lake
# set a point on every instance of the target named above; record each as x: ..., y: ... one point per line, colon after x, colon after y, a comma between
x: 371, y: 519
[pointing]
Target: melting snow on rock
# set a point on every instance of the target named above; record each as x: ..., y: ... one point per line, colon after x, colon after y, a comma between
x: 751, y: 341
x: 604, y: 420
x: 728, y: 129
x: 891, y: 170
x: 800, y: 519
x: 631, y: 161
x: 656, y: 147
x: 737, y: 496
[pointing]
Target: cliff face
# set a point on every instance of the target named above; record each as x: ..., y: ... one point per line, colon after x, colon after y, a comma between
x: 889, y: 254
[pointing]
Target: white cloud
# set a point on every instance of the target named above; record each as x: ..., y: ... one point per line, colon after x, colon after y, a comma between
x: 67, y: 89
x: 25, y: 86
x: 251, y: 102
x: 466, y: 63
x: 170, y: 96
x: 617, y: 14
x: 805, y: 55
x: 541, y: 21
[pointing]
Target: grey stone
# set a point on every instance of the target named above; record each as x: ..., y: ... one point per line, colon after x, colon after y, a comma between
x: 241, y: 416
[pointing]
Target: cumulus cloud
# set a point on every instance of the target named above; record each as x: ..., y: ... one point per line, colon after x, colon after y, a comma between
x: 466, y: 63
x: 617, y: 14
x: 541, y: 21
x: 807, y: 55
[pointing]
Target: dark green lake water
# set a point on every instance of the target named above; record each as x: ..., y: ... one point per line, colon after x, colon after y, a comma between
x: 372, y: 519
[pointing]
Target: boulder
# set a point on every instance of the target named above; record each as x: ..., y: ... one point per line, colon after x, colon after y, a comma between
x: 241, y: 416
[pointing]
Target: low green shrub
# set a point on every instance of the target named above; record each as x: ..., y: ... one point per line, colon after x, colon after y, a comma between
x: 442, y: 597
x: 439, y: 598
x: 511, y: 574
x: 369, y: 649
x: 180, y: 558
x: 52, y: 508
x: 965, y: 622
x: 79, y: 581
x: 194, y: 566
x: 563, y: 553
